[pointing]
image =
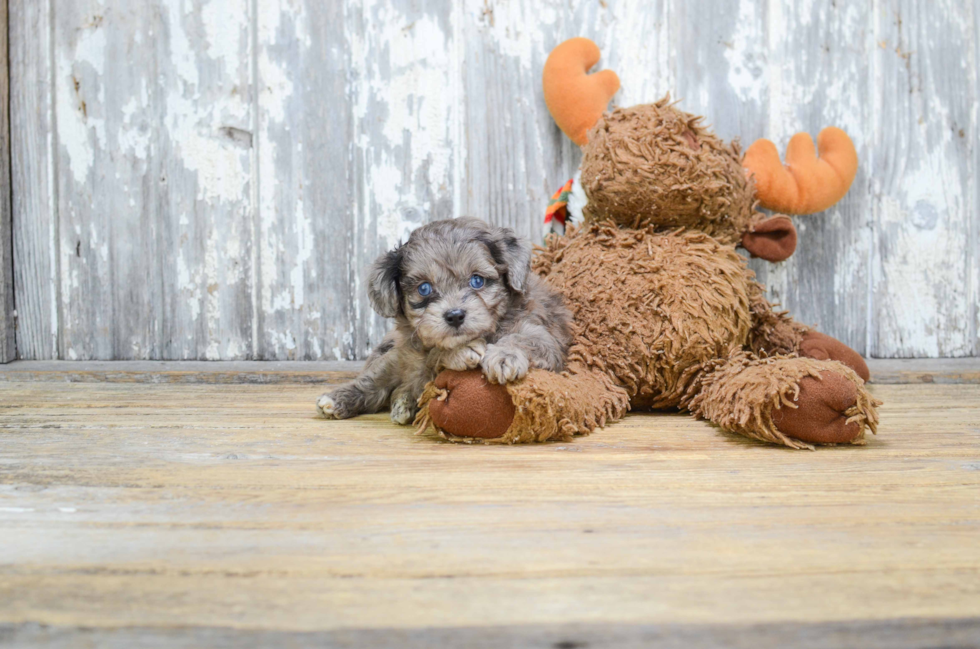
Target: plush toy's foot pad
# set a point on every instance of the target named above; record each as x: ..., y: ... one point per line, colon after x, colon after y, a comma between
x: 472, y: 407
x: 824, y: 411
x: 824, y: 348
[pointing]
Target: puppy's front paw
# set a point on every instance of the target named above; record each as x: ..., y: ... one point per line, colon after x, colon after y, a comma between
x: 466, y: 357
x: 326, y: 406
x: 504, y: 364
x: 403, y: 409
x: 334, y: 406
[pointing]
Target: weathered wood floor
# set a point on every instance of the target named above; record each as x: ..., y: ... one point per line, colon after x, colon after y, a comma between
x: 229, y: 515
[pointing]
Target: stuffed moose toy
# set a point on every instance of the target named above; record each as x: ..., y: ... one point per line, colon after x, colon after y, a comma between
x: 665, y: 312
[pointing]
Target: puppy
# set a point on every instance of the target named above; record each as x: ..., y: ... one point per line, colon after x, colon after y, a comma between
x: 463, y: 296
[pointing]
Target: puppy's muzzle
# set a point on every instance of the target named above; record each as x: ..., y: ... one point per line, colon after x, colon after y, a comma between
x: 454, y: 318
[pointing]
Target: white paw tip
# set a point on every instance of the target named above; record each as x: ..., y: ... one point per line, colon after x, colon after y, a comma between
x: 325, y: 405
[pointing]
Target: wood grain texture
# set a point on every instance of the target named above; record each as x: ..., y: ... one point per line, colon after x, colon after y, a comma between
x: 154, y: 168
x: 884, y: 371
x: 208, y: 372
x: 176, y: 507
x: 305, y: 234
x: 974, y: 223
x: 35, y: 224
x: 826, y: 282
x: 923, y: 178
x: 885, y: 634
x: 510, y: 158
x: 8, y: 348
x: 291, y: 141
x: 405, y: 81
x: 723, y: 64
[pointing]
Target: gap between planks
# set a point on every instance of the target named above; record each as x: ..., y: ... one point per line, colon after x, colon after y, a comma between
x: 883, y: 371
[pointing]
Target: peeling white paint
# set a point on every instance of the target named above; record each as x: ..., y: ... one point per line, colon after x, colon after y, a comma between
x: 134, y: 135
x: 222, y: 168
x: 515, y: 29
x: 224, y: 44
x: 421, y: 146
x: 640, y: 51
x: 924, y: 189
x: 277, y: 87
x: 745, y: 53
x: 283, y: 221
x: 182, y: 56
x: 78, y: 131
x: 924, y: 302
x: 304, y: 239
x: 194, y: 126
x: 190, y: 286
x: 406, y: 87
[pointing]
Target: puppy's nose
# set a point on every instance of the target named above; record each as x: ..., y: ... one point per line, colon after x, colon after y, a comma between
x: 454, y: 317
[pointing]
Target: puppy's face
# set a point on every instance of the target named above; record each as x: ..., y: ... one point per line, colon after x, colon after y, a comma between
x: 452, y: 281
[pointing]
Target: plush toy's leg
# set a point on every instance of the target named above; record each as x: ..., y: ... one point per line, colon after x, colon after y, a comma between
x: 544, y: 406
x: 823, y: 347
x: 774, y: 332
x: 785, y: 400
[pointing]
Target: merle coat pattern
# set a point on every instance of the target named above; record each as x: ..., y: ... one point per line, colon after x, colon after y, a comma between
x: 463, y: 296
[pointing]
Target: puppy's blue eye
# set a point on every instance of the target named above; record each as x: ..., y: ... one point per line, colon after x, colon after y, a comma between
x: 477, y: 282
x: 425, y: 289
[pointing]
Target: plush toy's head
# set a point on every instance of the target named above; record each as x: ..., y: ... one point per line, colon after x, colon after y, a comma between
x: 655, y: 165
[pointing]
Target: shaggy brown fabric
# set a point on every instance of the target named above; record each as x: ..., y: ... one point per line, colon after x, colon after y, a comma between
x: 743, y: 394
x: 665, y: 312
x: 558, y: 406
x: 648, y: 306
x: 822, y: 347
x: 550, y: 407
x: 656, y: 165
x: 662, y: 320
x: 773, y: 332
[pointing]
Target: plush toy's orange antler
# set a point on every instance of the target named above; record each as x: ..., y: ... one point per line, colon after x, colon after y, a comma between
x: 575, y: 98
x: 807, y: 183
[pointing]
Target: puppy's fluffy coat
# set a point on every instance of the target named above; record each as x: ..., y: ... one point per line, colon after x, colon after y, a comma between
x: 463, y: 296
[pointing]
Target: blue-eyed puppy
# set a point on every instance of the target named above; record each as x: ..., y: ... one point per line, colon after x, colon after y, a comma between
x: 463, y: 296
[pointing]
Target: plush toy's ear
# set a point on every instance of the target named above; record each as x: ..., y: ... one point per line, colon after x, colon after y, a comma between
x: 575, y: 98
x: 773, y: 239
x: 807, y: 184
x: 384, y: 289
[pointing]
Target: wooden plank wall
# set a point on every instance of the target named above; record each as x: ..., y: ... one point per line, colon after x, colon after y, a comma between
x: 8, y: 351
x: 207, y: 179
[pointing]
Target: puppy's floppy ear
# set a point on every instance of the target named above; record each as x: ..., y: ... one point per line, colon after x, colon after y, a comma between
x: 512, y: 253
x: 384, y: 283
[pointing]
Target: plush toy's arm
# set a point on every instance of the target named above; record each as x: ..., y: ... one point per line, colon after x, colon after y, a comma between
x: 544, y: 406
